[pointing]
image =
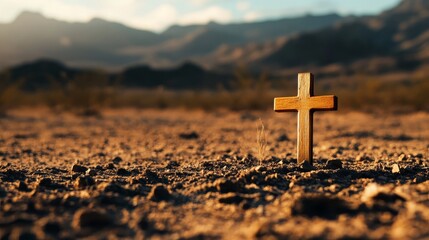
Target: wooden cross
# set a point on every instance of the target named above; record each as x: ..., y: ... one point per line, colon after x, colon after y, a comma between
x: 306, y: 104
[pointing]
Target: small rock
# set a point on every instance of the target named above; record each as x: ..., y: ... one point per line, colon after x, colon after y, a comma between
x: 79, y: 169
x: 418, y: 179
x: 91, y: 218
x: 260, y: 169
x: 402, y: 157
x: 226, y: 186
x: 110, y: 166
x: 283, y: 138
x: 49, y: 227
x: 178, y: 185
x: 91, y: 172
x: 123, y: 172
x: 117, y: 160
x: 13, y: 175
x: 159, y: 193
x: 334, y: 164
x: 112, y: 187
x: 306, y: 166
x: 189, y: 136
x: 22, y: 186
x: 45, y: 182
x: 395, y: 168
x: 84, y: 181
x: 320, y: 206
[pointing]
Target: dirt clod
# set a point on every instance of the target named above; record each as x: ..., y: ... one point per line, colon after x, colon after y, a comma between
x: 320, y: 206
x: 189, y: 136
x: 91, y: 218
x: 84, y: 181
x: 22, y: 186
x: 334, y: 164
x: 283, y: 138
x: 306, y: 166
x: 395, y: 168
x: 226, y: 186
x: 159, y: 193
x: 117, y: 160
x: 123, y: 172
x: 79, y: 168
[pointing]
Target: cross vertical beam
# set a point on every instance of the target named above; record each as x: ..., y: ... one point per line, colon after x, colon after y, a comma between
x: 305, y: 103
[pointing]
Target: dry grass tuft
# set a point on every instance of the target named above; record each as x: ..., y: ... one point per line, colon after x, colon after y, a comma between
x: 261, y: 140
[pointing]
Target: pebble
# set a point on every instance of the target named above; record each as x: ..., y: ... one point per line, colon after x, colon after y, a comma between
x: 110, y: 166
x: 84, y: 181
x: 334, y: 164
x: 117, y: 160
x: 123, y: 172
x: 320, y: 206
x: 22, y: 186
x: 112, y: 187
x: 260, y: 169
x: 91, y: 218
x: 395, y: 168
x: 402, y: 157
x: 79, y: 169
x: 45, y: 182
x: 91, y: 172
x: 50, y: 228
x: 189, y: 136
x: 283, y: 138
x: 306, y: 166
x: 226, y: 186
x: 159, y: 193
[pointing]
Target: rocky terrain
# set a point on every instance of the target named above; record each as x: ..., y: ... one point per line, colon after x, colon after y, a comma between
x: 197, y: 175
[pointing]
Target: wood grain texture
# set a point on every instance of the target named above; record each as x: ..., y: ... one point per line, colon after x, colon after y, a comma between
x: 305, y: 104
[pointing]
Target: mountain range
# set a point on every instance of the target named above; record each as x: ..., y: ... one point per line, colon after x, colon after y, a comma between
x: 107, y: 44
x: 395, y: 40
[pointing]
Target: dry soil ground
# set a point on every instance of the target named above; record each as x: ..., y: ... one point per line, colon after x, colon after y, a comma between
x: 195, y: 175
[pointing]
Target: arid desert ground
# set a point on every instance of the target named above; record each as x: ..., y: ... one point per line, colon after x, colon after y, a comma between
x: 178, y: 174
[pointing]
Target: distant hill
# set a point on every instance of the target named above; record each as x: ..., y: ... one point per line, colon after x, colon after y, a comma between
x: 107, y: 44
x: 45, y: 74
x: 400, y: 34
x: 41, y: 74
x: 186, y: 76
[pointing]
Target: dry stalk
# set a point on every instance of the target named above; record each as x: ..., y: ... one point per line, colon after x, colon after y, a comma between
x: 261, y: 140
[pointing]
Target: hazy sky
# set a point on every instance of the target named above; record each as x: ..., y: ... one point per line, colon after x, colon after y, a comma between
x: 158, y: 14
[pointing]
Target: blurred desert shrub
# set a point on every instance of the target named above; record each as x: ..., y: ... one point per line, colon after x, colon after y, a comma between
x: 371, y: 94
x: 9, y: 93
x: 249, y: 92
x: 86, y: 94
x: 244, y: 93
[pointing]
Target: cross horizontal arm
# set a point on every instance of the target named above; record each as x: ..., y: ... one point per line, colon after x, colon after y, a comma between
x: 286, y: 104
x: 293, y: 104
x: 328, y: 102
